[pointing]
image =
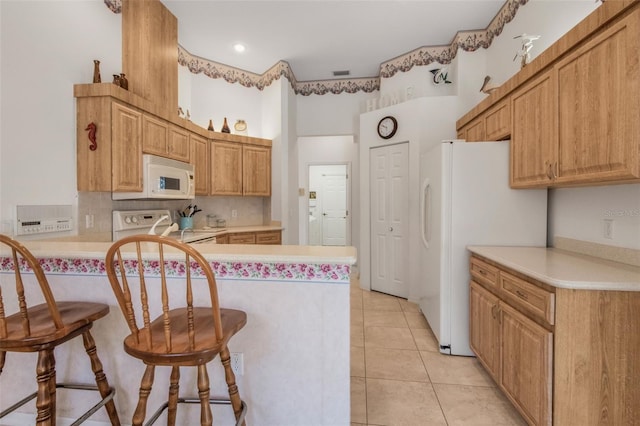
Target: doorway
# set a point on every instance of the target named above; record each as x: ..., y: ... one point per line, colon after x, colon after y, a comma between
x: 389, y: 219
x: 329, y: 201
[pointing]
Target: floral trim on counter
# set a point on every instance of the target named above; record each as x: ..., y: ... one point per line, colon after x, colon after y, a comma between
x: 269, y: 271
x: 465, y: 40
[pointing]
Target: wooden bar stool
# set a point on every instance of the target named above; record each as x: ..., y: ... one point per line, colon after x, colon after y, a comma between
x: 40, y: 328
x: 185, y: 335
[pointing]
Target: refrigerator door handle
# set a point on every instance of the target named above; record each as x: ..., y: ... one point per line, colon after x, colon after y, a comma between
x: 425, y: 213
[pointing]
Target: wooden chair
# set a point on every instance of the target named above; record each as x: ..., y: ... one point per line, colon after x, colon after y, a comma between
x: 183, y: 334
x: 40, y: 328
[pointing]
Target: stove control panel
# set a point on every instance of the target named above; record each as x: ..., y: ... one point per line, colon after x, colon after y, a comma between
x: 138, y: 219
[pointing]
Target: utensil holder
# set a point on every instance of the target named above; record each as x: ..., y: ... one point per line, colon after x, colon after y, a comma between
x: 186, y: 223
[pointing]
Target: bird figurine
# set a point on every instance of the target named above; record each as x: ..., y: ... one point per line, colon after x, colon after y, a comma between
x: 487, y: 86
x: 527, y: 44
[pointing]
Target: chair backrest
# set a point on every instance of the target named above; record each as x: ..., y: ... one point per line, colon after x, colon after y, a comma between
x: 134, y: 258
x: 20, y: 259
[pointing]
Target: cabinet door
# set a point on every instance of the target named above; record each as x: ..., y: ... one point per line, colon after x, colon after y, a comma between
x: 200, y: 160
x: 497, y: 121
x: 475, y: 131
x: 484, y: 329
x: 269, y: 237
x: 599, y: 107
x: 534, y: 135
x: 154, y: 136
x: 226, y: 168
x: 526, y: 372
x: 243, y: 238
x: 178, y: 147
x: 126, y: 138
x: 256, y: 173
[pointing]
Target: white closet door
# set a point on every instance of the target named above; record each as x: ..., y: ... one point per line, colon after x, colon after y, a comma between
x: 389, y: 215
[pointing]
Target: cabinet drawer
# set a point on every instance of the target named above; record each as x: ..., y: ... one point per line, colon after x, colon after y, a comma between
x: 484, y: 273
x: 270, y: 237
x: 530, y: 297
x: 248, y: 238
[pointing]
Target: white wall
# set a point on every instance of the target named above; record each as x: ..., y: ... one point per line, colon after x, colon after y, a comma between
x: 579, y: 213
x: 215, y: 99
x: 46, y: 48
x: 328, y: 150
x: 421, y: 122
x: 330, y: 114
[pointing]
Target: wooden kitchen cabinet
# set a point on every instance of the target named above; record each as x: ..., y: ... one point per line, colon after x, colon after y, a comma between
x: 562, y: 356
x: 164, y: 139
x: 226, y: 168
x: 256, y: 170
x: 492, y: 125
x: 497, y: 121
x: 126, y: 148
x: 526, y: 365
x: 599, y: 107
x: 269, y: 237
x: 513, y: 344
x: 243, y: 238
x: 534, y: 136
x: 240, y: 169
x: 484, y: 328
x: 200, y: 160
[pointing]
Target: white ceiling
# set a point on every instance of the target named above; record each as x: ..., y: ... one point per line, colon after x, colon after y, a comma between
x: 317, y: 37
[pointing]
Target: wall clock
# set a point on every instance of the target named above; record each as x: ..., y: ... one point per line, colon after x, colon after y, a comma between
x: 387, y: 127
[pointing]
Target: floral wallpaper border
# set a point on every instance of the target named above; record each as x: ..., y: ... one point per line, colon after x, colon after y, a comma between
x: 465, y: 40
x: 266, y: 271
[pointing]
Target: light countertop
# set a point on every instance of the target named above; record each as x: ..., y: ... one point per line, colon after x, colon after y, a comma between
x: 218, y: 252
x: 564, y: 269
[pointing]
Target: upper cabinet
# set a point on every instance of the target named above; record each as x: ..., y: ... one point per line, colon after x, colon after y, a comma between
x: 599, y: 107
x: 570, y: 114
x: 109, y: 146
x: 124, y: 126
x: 240, y: 169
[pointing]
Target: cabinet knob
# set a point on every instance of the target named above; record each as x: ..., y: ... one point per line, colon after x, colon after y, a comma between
x: 391, y: 229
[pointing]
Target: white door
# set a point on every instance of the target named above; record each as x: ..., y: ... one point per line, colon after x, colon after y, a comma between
x: 334, y: 206
x: 389, y: 215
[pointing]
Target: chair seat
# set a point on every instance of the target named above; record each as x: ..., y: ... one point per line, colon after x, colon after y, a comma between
x: 207, y: 347
x: 75, y: 316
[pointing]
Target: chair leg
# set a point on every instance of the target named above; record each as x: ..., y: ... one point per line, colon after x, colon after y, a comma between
x: 173, y: 396
x: 234, y: 396
x: 52, y: 387
x: 206, y: 418
x: 101, y: 378
x: 43, y: 401
x: 145, y: 390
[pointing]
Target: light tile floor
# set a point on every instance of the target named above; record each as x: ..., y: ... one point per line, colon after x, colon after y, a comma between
x: 398, y: 377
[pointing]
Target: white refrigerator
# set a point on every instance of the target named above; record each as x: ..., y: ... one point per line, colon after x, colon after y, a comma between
x: 466, y: 200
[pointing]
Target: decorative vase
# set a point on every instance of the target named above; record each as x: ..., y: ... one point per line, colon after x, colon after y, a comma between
x: 225, y: 127
x: 116, y: 79
x: 124, y: 83
x: 96, y: 71
x: 210, y: 126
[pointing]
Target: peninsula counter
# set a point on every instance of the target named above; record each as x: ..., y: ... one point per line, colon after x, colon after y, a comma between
x: 295, y: 345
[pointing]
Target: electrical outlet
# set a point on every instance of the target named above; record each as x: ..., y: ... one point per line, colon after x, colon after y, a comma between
x: 608, y: 229
x: 237, y: 363
x: 234, y: 213
x: 88, y: 221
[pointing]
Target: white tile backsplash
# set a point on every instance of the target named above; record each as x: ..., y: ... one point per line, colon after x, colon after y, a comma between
x: 251, y: 210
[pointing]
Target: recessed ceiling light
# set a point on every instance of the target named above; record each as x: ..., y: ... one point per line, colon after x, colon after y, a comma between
x: 239, y: 47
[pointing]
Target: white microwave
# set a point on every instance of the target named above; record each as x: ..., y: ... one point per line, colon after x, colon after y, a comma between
x: 164, y: 179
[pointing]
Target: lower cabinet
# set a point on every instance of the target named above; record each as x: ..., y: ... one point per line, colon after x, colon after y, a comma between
x: 510, y: 343
x: 262, y: 237
x: 562, y: 356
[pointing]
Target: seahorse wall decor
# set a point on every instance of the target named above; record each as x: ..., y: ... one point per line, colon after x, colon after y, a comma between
x: 92, y: 128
